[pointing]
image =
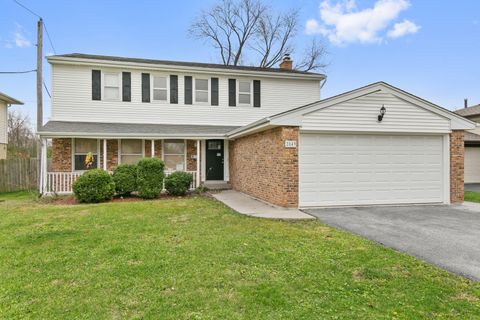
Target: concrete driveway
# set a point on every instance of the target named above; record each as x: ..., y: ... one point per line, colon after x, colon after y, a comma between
x: 447, y: 236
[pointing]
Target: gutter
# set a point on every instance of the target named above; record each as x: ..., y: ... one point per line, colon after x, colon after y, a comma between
x: 175, y: 68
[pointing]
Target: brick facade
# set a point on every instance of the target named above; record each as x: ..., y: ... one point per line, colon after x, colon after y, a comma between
x: 457, y: 158
x: 191, y: 151
x: 261, y: 166
x: 62, y: 154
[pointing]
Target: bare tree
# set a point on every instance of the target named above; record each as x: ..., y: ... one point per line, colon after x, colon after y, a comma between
x: 249, y: 29
x: 313, y: 57
x: 21, y: 137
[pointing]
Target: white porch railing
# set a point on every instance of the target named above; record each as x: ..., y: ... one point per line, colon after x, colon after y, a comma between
x: 62, y: 182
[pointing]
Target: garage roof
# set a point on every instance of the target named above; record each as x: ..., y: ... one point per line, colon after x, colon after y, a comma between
x: 293, y: 117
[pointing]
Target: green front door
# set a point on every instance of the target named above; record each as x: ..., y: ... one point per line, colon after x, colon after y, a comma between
x: 214, y: 159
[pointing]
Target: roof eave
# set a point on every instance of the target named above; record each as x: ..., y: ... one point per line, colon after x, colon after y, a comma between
x: 168, y: 67
x: 9, y: 100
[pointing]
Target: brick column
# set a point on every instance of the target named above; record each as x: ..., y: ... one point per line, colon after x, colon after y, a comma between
x: 457, y: 157
x: 62, y: 154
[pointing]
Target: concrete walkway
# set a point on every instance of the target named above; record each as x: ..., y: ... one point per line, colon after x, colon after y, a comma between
x: 249, y: 206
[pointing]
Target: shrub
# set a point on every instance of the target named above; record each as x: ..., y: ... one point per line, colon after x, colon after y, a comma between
x: 94, y: 186
x: 178, y: 183
x: 150, y: 177
x: 125, y: 178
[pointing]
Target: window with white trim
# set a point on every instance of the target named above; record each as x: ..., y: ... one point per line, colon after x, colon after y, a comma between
x: 174, y: 155
x: 245, y: 92
x: 131, y: 151
x: 160, y: 88
x: 201, y: 90
x: 82, y: 148
x: 111, y: 86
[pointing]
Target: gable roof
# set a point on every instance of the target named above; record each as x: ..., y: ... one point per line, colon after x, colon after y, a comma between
x: 8, y: 99
x: 292, y: 116
x: 79, y: 57
x: 469, y: 111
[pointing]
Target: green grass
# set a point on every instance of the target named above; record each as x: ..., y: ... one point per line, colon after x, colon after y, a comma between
x: 194, y: 258
x: 18, y: 195
x: 472, y: 196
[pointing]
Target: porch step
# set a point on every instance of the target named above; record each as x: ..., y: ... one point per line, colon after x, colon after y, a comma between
x: 217, y: 185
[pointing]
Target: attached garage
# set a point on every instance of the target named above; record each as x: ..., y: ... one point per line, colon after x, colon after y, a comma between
x: 377, y: 145
x: 363, y: 169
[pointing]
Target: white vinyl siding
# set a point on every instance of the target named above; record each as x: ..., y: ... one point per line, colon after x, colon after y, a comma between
x: 72, y: 93
x: 360, y: 115
x: 365, y: 169
x: 472, y: 164
x: 3, y: 122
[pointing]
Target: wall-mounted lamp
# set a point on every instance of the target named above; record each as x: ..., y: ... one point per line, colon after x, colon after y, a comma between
x: 382, y: 113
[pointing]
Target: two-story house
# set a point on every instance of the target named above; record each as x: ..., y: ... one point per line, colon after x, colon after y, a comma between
x: 264, y: 131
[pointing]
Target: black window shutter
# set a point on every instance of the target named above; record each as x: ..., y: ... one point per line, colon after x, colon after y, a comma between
x: 188, y: 90
x: 232, y: 92
x: 145, y: 87
x: 96, y: 85
x: 126, y: 86
x: 214, y: 97
x: 173, y: 89
x: 256, y: 93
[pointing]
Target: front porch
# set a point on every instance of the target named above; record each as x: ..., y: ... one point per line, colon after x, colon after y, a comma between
x: 203, y: 158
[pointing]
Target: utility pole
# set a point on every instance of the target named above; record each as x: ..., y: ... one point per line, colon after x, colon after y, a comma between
x: 39, y: 92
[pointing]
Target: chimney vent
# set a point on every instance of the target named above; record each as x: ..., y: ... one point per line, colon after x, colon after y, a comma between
x: 286, y: 63
x: 465, y: 103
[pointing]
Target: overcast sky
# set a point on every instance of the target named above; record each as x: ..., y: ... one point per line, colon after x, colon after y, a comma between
x: 429, y: 48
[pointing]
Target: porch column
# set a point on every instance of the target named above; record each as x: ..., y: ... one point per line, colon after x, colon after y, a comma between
x: 197, y: 184
x: 43, y: 167
x: 153, y: 149
x: 105, y: 154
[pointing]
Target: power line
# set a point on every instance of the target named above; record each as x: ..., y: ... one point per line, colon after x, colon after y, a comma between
x: 44, y: 25
x: 17, y: 72
x: 24, y: 7
x: 46, y: 89
x: 48, y: 36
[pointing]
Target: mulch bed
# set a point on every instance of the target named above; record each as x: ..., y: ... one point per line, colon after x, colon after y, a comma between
x: 70, y: 200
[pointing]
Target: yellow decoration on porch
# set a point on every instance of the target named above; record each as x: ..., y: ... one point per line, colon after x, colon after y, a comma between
x: 89, y: 160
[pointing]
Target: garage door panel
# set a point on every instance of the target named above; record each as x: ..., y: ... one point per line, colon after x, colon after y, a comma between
x: 370, y: 169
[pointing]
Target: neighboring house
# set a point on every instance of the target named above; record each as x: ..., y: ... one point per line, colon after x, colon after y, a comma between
x: 472, y: 144
x: 264, y: 131
x: 5, y: 102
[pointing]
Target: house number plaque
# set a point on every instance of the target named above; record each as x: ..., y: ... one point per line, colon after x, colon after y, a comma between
x: 290, y: 144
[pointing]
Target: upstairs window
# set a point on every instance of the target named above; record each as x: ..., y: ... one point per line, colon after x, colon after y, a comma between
x: 111, y: 86
x: 160, y: 91
x: 201, y: 90
x: 245, y: 92
x: 131, y: 151
x: 82, y: 148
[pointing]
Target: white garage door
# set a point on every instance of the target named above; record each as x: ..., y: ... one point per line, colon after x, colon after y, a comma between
x: 370, y: 169
x: 472, y: 164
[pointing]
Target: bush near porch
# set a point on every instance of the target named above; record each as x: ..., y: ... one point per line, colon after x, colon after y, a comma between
x: 194, y: 258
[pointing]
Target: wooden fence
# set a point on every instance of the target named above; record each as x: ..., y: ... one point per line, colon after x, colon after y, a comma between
x: 18, y: 174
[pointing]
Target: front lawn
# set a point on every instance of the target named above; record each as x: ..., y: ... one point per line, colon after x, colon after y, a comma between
x: 472, y: 196
x: 194, y: 258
